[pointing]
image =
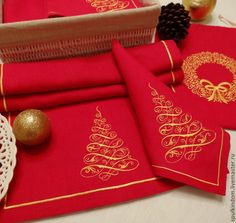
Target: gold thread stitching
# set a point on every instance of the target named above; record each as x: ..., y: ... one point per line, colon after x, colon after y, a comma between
x: 169, y: 54
x: 81, y: 193
x: 173, y: 77
x: 172, y: 88
x: 224, y: 92
x: 108, y: 5
x: 134, y: 4
x: 107, y: 157
x: 2, y: 89
x: 196, y: 178
x: 183, y: 137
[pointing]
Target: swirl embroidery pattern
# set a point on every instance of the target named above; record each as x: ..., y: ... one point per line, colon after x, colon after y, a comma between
x: 107, y: 157
x: 183, y: 137
x: 108, y: 5
x: 224, y: 92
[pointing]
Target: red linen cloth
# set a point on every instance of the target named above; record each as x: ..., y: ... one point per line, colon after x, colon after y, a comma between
x: 18, y: 10
x: 181, y: 143
x: 84, y: 72
x: 56, y: 98
x: 94, y: 157
x: 210, y: 72
x: 57, y: 8
x: 58, y: 82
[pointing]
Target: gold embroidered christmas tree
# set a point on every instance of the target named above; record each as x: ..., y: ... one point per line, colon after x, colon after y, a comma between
x: 107, y: 156
x: 183, y: 137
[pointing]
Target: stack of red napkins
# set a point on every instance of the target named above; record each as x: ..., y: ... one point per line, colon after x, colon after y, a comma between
x: 58, y: 82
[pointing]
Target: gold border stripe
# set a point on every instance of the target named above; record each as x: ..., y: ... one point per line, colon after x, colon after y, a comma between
x: 198, y: 179
x: 80, y: 193
x: 222, y: 142
x: 169, y: 54
x: 2, y: 90
x: 172, y: 88
x: 173, y: 76
x: 9, y: 117
x: 5, y: 202
x: 185, y: 174
x: 134, y: 4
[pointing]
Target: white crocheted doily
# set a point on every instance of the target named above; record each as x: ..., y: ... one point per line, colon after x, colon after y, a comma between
x: 7, y: 155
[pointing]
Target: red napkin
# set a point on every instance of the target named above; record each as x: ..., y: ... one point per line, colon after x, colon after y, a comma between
x: 210, y: 72
x: 38, y: 9
x: 181, y: 143
x: 79, y: 7
x: 58, y: 82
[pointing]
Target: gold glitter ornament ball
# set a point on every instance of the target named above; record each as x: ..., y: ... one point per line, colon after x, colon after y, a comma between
x: 31, y: 127
x: 199, y: 9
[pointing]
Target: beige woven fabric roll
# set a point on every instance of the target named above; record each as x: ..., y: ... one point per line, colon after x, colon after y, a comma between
x: 77, y: 35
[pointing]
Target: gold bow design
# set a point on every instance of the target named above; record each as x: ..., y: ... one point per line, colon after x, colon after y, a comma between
x: 217, y: 92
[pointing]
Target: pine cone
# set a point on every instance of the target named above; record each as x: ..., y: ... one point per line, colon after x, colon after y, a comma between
x: 174, y: 22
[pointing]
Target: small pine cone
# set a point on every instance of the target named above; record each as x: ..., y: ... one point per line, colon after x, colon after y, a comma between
x: 174, y: 22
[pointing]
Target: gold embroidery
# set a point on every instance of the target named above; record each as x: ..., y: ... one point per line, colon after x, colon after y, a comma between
x: 108, y: 5
x: 2, y: 89
x: 183, y: 137
x: 68, y: 196
x: 224, y: 92
x: 217, y: 183
x: 107, y: 156
x: 171, y: 63
x: 216, y: 92
x: 169, y: 55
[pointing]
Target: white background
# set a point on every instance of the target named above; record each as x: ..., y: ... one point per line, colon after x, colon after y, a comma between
x: 184, y: 205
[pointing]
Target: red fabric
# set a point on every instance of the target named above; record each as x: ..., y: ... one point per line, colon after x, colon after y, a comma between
x: 18, y: 10
x: 59, y: 82
x: 53, y: 75
x: 181, y: 143
x: 56, y: 98
x: 210, y: 72
x: 95, y: 155
x: 79, y: 7
x: 55, y: 169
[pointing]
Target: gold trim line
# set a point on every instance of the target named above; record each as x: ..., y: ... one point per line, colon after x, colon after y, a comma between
x: 2, y: 89
x: 80, y: 193
x: 173, y: 89
x: 169, y: 54
x: 173, y: 77
x: 198, y: 179
x: 134, y: 4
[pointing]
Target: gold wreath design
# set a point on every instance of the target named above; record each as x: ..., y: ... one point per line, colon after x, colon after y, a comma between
x: 224, y: 92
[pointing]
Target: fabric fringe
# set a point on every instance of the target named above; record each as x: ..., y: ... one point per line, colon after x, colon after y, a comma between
x: 82, y: 46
